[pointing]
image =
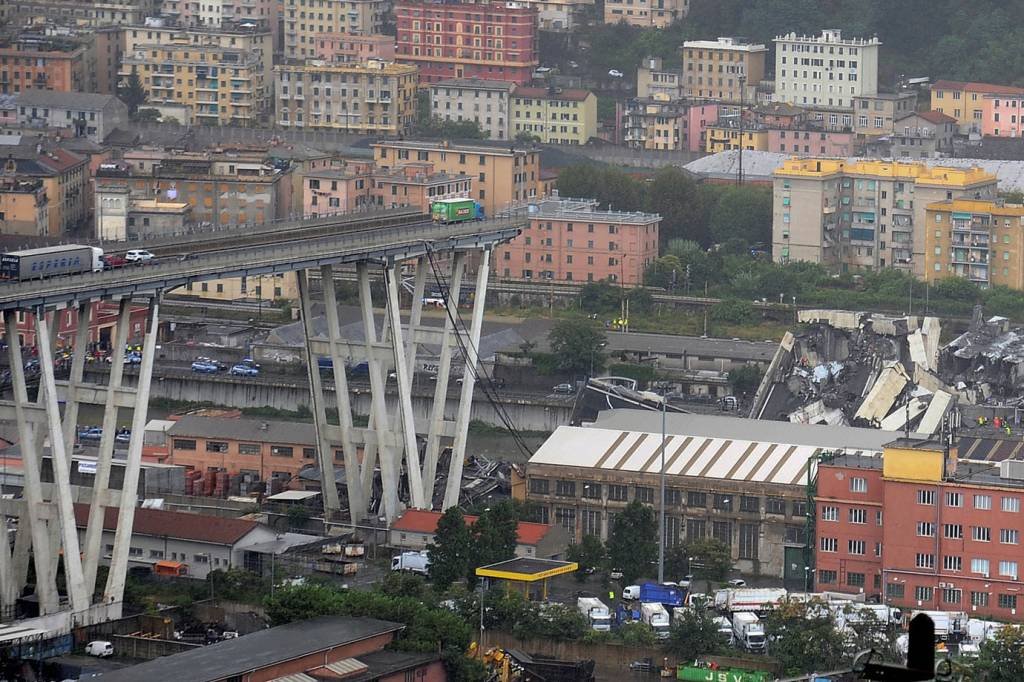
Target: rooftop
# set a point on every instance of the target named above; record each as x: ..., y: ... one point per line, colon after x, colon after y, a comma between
x: 83, y: 101
x: 498, y: 147
x: 215, y: 530
x: 932, y: 116
x: 372, y: 66
x: 237, y: 657
x: 725, y: 43
x: 474, y: 83
x: 971, y: 86
x: 244, y: 429
x: 569, y: 94
x: 831, y: 36
x: 423, y: 521
x: 977, y: 206
x: 526, y: 570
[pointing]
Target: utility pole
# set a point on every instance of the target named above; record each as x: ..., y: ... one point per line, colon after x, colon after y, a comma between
x: 661, y: 497
x: 743, y: 87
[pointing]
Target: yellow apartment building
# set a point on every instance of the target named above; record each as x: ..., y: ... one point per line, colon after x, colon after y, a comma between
x: 554, y: 115
x: 712, y: 69
x: 965, y: 101
x: 372, y: 98
x: 223, y: 75
x: 863, y: 215
x: 978, y: 240
x: 646, y: 13
x: 24, y: 206
x: 256, y: 288
x: 503, y: 174
x: 303, y: 26
x: 725, y: 135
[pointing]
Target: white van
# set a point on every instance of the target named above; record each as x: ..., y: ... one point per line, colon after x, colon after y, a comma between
x: 99, y: 648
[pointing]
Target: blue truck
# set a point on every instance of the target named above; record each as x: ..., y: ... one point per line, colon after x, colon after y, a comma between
x: 655, y: 593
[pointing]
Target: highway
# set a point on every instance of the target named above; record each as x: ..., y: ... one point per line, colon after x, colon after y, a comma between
x: 281, y: 248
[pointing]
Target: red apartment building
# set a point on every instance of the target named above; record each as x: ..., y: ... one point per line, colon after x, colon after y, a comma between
x: 918, y: 528
x: 568, y: 240
x: 491, y: 41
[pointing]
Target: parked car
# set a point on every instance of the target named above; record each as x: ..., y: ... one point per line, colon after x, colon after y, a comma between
x: 90, y: 433
x: 737, y: 582
x: 564, y: 388
x: 615, y: 73
x: 99, y: 648
x: 123, y: 436
x: 244, y: 370
x: 204, y: 367
x: 138, y: 256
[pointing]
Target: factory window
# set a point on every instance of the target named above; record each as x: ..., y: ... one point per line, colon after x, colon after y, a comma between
x: 1008, y: 601
x: 981, y: 533
x: 830, y: 513
x: 858, y: 515
x: 953, y: 531
x: 855, y: 579
x: 673, y: 496
x: 644, y: 494
x: 566, y: 518
x: 799, y: 507
x: 954, y: 499
x: 1009, y: 536
x: 982, y: 501
x: 592, y: 491
x: 183, y: 444
x: 925, y: 529
x: 618, y: 493
x: 216, y: 446
x: 952, y: 563
x: 723, y: 502
x: 827, y: 577
x: 924, y: 560
x: 565, y: 488
x: 201, y: 558
x: 722, y: 531
x: 979, y: 598
x: 856, y: 547
x: 280, y: 451
x: 895, y: 590
x: 591, y: 522
x: 696, y: 529
x: 775, y: 505
x: 858, y: 485
x: 926, y: 497
x: 694, y: 499
x: 1011, y: 504
x: 951, y: 595
x: 749, y: 533
x: 829, y: 545
x: 156, y: 554
x: 795, y: 535
x: 750, y: 504
x: 134, y: 551
x: 308, y: 453
x: 922, y: 593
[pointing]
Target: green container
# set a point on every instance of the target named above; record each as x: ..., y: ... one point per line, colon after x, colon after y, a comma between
x: 453, y: 210
x: 694, y: 674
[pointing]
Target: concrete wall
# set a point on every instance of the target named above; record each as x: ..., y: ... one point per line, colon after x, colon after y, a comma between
x: 145, y: 648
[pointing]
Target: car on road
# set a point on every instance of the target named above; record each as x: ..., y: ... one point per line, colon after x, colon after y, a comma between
x: 614, y: 73
x: 210, y: 361
x: 138, y: 256
x: 615, y: 574
x: 737, y: 582
x: 244, y: 370
x: 111, y: 261
x: 91, y: 433
x: 123, y: 436
x: 204, y: 367
x: 564, y: 388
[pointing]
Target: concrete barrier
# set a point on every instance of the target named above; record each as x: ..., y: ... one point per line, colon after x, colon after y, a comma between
x: 145, y: 648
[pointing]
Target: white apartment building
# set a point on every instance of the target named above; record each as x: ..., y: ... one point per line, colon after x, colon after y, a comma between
x: 826, y: 71
x: 474, y: 99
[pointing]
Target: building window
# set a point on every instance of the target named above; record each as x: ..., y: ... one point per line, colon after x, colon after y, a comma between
x: 156, y: 554
x: 1008, y: 568
x: 618, y: 493
x: 1008, y: 601
x: 895, y: 590
x: 749, y: 533
x: 723, y: 502
x: 951, y: 595
x: 308, y: 453
x: 799, y: 507
x: 827, y: 577
x: 565, y: 488
x: 184, y: 444
x: 201, y: 558
x: 539, y: 486
x: 926, y: 497
x: 281, y: 451
x: 924, y: 560
x: 925, y: 529
x: 591, y: 522
x: 696, y: 529
x: 796, y: 535
x: 954, y: 500
x: 248, y: 449
x: 566, y: 518
x: 858, y: 485
x: 1009, y: 536
x: 982, y: 501
x: 981, y: 533
x: 673, y: 497
x: 592, y: 491
x: 216, y: 446
x: 923, y: 593
x: 1011, y: 504
x: 979, y: 598
x: 722, y: 531
x: 979, y: 566
x: 696, y: 499
x: 953, y: 531
x: 855, y: 579
x: 829, y: 545
x: 775, y: 505
x: 830, y: 513
x: 858, y: 515
x: 856, y: 547
x: 952, y: 563
x: 644, y: 494
x: 750, y: 504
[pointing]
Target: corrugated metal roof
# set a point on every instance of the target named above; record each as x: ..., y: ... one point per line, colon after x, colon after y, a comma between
x: 347, y: 666
x: 297, y: 677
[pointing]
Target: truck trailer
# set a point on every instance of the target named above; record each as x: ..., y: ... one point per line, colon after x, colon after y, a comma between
x: 596, y: 613
x: 456, y: 210
x: 655, y: 615
x: 414, y: 562
x: 748, y: 631
x: 50, y: 261
x: 753, y: 599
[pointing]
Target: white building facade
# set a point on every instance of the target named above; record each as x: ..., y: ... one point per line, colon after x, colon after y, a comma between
x: 825, y: 71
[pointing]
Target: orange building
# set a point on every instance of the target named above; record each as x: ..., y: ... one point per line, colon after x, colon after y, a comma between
x: 44, y: 64
x: 569, y: 240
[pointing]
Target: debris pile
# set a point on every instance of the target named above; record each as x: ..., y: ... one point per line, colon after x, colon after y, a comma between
x: 857, y: 369
x: 985, y: 364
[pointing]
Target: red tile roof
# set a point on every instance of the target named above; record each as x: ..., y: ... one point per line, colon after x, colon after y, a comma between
x: 179, y: 525
x: 545, y: 93
x: 989, y: 88
x: 422, y: 521
x: 936, y: 117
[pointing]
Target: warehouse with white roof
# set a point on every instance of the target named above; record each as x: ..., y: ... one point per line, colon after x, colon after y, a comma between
x: 742, y: 481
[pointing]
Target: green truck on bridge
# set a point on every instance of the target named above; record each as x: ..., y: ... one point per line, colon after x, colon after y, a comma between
x: 456, y: 210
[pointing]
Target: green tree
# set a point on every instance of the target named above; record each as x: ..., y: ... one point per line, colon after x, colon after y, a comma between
x: 450, y: 551
x: 675, y: 196
x: 600, y: 297
x: 742, y: 213
x: 745, y: 380
x: 576, y: 345
x: 493, y: 538
x: 633, y: 542
x: 612, y: 187
x: 637, y: 634
x: 733, y: 311
x: 804, y: 638
x: 709, y: 558
x: 1001, y: 658
x: 131, y: 92
x: 588, y: 553
x: 694, y: 634
x: 402, y: 584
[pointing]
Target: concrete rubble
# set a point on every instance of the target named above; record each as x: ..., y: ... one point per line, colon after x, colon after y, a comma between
x: 985, y: 364
x: 859, y: 369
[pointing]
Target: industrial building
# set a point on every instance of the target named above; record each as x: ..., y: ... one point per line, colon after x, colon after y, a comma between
x: 742, y: 482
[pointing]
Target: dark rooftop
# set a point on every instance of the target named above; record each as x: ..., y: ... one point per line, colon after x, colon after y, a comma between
x: 236, y: 657
x: 916, y: 444
x: 386, y: 663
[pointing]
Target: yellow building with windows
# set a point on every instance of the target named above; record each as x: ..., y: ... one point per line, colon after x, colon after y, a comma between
x: 372, y: 98
x: 982, y: 241
x: 725, y: 135
x: 965, y: 101
x: 257, y: 288
x: 554, y: 115
x: 223, y: 75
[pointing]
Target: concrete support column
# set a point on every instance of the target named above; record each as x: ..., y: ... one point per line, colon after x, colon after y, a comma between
x: 436, y: 428
x: 404, y: 380
x: 129, y: 496
x: 451, y: 495
x: 36, y: 508
x: 78, y: 353
x: 100, y: 492
x: 61, y: 465
x: 416, y: 312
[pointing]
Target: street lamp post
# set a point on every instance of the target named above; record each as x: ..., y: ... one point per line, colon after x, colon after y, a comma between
x: 661, y: 496
x: 743, y: 87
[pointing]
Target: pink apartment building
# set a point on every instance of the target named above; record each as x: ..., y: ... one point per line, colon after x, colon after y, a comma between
x: 1001, y: 114
x: 346, y: 47
x: 345, y: 188
x: 811, y: 141
x: 417, y: 184
x: 568, y: 240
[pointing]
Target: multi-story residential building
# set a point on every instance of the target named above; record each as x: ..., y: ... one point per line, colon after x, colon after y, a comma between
x: 305, y: 23
x: 372, y: 98
x: 808, y: 139
x: 569, y: 240
x: 917, y: 135
x: 673, y: 125
x: 24, y: 205
x: 487, y: 40
x: 64, y: 177
x: 554, y: 115
x: 654, y: 79
x: 37, y: 62
x: 488, y: 103
x: 119, y: 216
x: 505, y: 175
x: 83, y: 114
x: 224, y: 75
x: 347, y: 47
x: 559, y: 15
x: 416, y: 184
x: 282, y: 285
x: 825, y: 71
x: 981, y: 241
x: 87, y: 13
x: 919, y: 528
x: 782, y: 128
x: 715, y: 68
x: 216, y: 13
x: 726, y: 133
x: 647, y: 13
x: 1002, y: 115
x: 863, y: 215
x: 336, y: 189
x: 877, y: 114
x: 965, y: 101
x: 109, y: 51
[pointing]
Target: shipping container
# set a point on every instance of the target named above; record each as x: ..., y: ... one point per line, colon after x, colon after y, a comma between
x: 50, y: 261
x: 692, y: 673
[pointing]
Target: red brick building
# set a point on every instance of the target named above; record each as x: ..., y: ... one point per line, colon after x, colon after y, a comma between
x: 101, y: 326
x: 491, y: 41
x: 918, y: 528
